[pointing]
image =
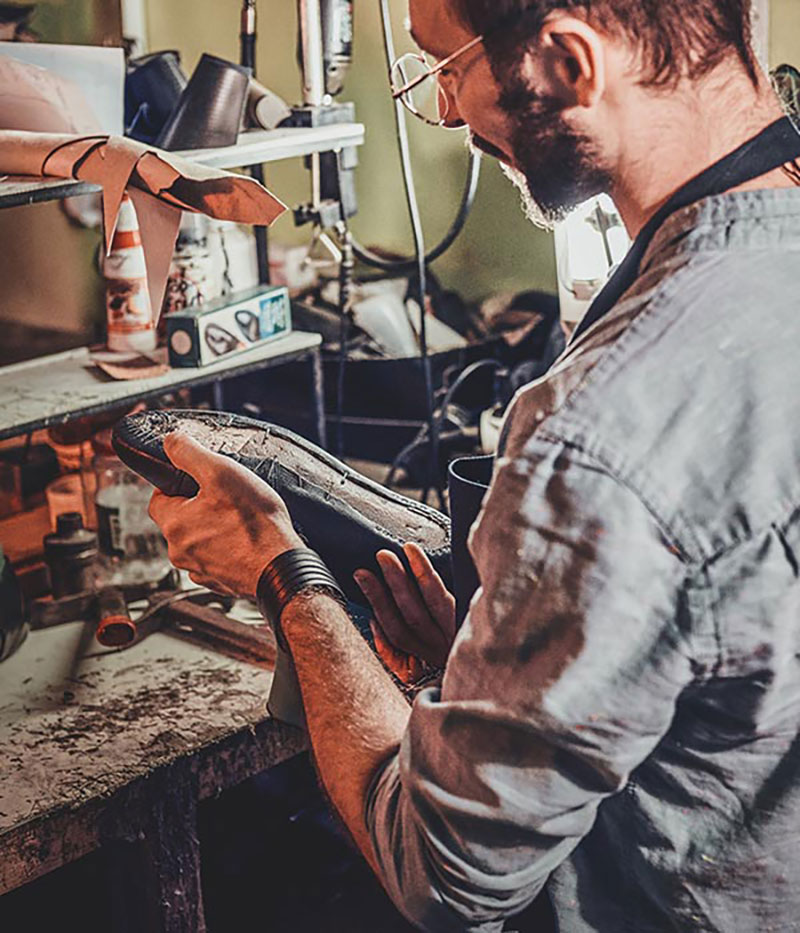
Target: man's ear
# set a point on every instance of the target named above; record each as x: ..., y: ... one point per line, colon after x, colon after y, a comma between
x: 572, y: 61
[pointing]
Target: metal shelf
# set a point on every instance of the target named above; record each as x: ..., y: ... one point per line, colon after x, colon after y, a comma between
x: 53, y: 389
x: 18, y: 190
x: 253, y: 148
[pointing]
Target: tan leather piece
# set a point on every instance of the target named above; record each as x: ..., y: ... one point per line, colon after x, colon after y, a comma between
x: 111, y: 166
x: 118, y: 160
x: 63, y: 159
x: 158, y: 226
x: 162, y: 183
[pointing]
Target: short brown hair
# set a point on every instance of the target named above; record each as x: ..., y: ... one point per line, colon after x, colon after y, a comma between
x: 678, y: 38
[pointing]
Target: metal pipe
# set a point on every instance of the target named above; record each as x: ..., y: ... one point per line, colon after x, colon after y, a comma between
x: 310, y: 20
x: 247, y: 36
x: 248, y: 59
x: 316, y: 181
x: 134, y: 25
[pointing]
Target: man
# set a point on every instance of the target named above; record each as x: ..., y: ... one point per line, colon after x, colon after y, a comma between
x: 620, y: 711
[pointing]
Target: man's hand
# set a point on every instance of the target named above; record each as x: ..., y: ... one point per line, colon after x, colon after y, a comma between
x: 415, y: 616
x: 227, y: 534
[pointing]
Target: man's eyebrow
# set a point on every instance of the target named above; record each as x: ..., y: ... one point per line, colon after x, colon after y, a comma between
x: 414, y: 36
x: 437, y: 53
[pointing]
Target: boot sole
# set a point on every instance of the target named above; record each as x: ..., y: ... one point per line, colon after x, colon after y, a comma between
x: 343, y: 515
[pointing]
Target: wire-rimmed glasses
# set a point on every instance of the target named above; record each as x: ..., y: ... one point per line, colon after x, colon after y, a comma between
x: 426, y: 99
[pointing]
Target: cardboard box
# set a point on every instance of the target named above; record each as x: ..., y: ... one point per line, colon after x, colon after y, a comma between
x: 202, y: 335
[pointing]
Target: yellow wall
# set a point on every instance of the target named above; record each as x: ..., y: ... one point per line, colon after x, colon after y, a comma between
x: 499, y: 250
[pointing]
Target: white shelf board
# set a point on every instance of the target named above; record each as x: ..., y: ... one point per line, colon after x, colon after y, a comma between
x: 259, y: 146
x: 53, y: 389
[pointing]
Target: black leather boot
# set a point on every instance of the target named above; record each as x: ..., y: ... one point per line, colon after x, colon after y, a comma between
x: 345, y: 517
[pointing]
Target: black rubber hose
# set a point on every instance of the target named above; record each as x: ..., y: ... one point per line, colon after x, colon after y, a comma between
x: 345, y: 310
x: 440, y: 418
x: 419, y: 262
x: 405, y: 266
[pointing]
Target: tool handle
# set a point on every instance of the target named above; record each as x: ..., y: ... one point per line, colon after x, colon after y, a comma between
x: 115, y: 628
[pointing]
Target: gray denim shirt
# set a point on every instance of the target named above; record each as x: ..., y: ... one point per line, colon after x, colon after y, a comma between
x: 620, y: 714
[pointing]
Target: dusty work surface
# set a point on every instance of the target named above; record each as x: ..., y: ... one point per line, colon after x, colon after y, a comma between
x: 77, y: 726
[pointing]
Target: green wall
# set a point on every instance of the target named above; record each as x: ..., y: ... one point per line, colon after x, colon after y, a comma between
x: 92, y: 22
x: 499, y: 250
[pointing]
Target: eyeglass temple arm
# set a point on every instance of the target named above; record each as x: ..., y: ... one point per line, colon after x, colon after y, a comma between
x: 437, y: 67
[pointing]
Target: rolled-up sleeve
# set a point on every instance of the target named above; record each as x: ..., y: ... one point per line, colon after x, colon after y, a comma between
x: 562, y: 680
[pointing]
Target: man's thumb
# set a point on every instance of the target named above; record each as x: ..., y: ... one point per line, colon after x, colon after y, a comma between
x: 188, y: 455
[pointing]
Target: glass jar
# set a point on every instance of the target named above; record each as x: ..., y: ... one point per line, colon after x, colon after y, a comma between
x: 193, y: 278
x: 132, y: 548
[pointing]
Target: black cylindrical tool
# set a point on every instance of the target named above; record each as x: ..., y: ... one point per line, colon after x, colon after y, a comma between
x: 209, y: 113
x: 70, y: 553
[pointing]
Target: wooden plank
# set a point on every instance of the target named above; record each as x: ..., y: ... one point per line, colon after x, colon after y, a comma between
x: 53, y: 389
x: 44, y: 844
x: 153, y: 856
x: 38, y: 847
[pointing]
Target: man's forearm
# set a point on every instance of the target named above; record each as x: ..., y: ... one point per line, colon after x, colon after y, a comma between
x: 356, y: 715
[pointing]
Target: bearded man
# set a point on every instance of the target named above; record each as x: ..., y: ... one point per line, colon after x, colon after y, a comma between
x: 619, y: 717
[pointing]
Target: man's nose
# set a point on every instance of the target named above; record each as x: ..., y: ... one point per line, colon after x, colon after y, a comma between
x: 451, y: 118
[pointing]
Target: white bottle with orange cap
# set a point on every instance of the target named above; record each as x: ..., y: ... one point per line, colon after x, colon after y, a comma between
x: 131, y: 325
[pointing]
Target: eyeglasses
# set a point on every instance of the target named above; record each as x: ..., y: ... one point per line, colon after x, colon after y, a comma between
x: 428, y: 100
x: 425, y: 99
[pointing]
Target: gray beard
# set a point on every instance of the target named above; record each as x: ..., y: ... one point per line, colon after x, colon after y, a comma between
x: 540, y: 216
x: 559, y: 167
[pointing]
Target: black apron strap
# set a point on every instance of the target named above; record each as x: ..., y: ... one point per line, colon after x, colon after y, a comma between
x: 778, y: 144
x: 469, y: 477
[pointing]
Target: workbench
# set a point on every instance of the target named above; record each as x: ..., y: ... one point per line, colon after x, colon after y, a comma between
x: 115, y: 749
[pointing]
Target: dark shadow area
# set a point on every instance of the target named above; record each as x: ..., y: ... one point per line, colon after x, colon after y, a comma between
x: 73, y: 899
x: 274, y: 859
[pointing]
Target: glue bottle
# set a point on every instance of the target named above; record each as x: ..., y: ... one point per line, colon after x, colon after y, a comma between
x: 132, y: 549
x: 131, y: 326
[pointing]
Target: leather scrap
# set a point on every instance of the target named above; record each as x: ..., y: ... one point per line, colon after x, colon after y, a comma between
x: 162, y: 185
